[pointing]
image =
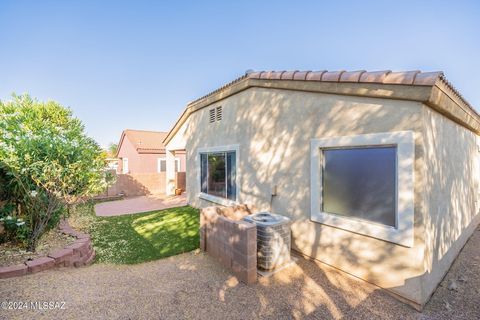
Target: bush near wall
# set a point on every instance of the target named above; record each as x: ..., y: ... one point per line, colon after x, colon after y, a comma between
x: 47, y: 162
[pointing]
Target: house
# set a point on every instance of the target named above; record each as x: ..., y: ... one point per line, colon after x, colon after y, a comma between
x: 143, y: 151
x: 378, y: 170
x: 142, y: 164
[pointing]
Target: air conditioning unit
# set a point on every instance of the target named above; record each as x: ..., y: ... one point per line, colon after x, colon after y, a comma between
x: 273, y: 239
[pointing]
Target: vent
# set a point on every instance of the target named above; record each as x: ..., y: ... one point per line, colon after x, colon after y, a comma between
x: 219, y: 113
x: 212, y: 115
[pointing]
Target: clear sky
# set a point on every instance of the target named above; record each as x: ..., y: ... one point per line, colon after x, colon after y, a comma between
x: 136, y: 64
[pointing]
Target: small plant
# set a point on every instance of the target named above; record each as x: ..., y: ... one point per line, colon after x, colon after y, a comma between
x: 16, y: 229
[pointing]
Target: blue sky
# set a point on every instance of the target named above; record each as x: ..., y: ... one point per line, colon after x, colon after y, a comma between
x: 136, y: 64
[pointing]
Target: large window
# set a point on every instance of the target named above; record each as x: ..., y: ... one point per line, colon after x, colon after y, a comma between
x: 218, y: 174
x: 364, y: 184
x: 360, y: 183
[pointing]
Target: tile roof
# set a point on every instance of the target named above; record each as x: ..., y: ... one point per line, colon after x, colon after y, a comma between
x: 415, y: 78
x: 145, y: 141
x: 432, y: 87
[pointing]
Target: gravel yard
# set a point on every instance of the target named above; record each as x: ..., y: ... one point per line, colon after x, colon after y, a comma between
x: 192, y: 285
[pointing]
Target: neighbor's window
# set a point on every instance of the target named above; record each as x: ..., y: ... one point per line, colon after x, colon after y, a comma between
x: 364, y: 184
x: 125, y: 165
x: 360, y: 183
x: 177, y: 165
x: 218, y: 174
x: 162, y: 165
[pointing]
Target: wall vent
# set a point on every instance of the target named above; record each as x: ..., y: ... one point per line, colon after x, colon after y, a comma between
x: 219, y: 113
x: 212, y: 115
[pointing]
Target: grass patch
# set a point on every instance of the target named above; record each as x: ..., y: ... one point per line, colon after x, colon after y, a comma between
x: 140, y: 237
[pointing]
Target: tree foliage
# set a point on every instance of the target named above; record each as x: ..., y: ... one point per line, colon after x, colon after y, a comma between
x: 112, y: 149
x: 48, y: 159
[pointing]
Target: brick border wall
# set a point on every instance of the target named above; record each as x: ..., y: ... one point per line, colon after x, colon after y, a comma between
x: 79, y: 253
x: 233, y: 243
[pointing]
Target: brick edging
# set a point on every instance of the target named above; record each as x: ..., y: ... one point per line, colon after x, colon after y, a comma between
x: 77, y: 254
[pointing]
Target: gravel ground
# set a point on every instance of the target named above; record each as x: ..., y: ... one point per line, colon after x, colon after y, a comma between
x: 194, y: 286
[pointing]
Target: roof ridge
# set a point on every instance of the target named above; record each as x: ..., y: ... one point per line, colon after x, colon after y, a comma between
x: 415, y: 77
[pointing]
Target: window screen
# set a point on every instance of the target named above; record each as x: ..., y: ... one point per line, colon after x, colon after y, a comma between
x: 218, y: 174
x: 360, y: 183
x: 162, y: 165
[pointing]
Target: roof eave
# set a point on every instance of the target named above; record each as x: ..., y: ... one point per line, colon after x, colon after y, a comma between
x: 439, y: 95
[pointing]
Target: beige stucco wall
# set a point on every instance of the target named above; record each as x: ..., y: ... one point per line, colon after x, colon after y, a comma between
x: 451, y: 193
x: 273, y: 129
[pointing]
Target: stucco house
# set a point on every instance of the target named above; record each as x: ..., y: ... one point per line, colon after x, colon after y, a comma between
x: 378, y: 170
x: 141, y: 151
x: 142, y: 164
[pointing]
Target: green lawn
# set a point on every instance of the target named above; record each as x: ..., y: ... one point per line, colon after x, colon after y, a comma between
x: 141, y: 237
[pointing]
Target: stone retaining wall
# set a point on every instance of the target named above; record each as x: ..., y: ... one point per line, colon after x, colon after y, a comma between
x: 232, y: 242
x: 79, y: 253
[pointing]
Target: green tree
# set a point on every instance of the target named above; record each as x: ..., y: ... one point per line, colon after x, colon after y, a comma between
x: 49, y: 160
x: 112, y: 149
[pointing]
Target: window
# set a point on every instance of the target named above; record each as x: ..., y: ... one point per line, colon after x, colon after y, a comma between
x: 125, y: 165
x: 177, y: 165
x: 162, y: 165
x: 364, y: 184
x: 219, y: 113
x: 218, y: 174
x: 360, y: 183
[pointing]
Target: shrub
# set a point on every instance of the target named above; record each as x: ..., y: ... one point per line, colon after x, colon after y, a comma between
x: 48, y: 161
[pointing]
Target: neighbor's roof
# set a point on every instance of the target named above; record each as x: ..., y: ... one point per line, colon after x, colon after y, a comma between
x: 144, y: 141
x: 432, y: 89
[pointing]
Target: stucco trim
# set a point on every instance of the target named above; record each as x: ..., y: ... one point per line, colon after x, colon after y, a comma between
x: 404, y: 141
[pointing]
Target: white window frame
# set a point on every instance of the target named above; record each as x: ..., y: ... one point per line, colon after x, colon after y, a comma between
x: 209, y: 197
x: 179, y: 166
x: 125, y: 168
x: 402, y: 234
x: 159, y: 167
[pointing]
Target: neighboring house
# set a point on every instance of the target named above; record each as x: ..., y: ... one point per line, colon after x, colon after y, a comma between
x: 378, y: 170
x: 142, y: 163
x: 141, y: 151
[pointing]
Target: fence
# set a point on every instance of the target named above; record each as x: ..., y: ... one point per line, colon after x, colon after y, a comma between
x: 139, y: 184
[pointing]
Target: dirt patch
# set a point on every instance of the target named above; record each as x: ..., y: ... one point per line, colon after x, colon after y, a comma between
x: 13, y: 254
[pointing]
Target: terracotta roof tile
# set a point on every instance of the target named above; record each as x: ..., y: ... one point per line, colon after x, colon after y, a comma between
x: 406, y: 77
x: 265, y: 74
x: 276, y: 75
x: 288, y: 75
x: 427, y: 78
x: 315, y: 75
x: 351, y: 76
x: 332, y: 76
x: 361, y: 76
x: 300, y: 75
x: 374, y: 76
x: 254, y: 75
